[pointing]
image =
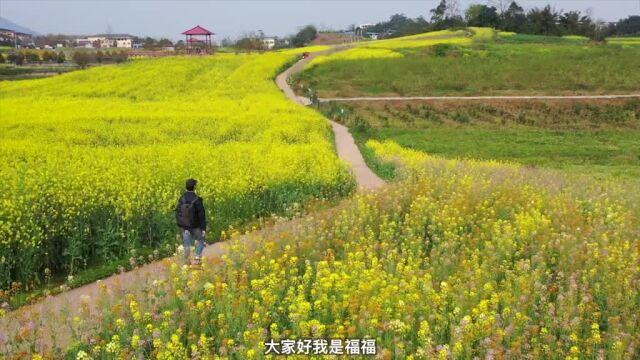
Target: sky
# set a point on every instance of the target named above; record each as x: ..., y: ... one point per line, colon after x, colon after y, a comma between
x: 168, y: 18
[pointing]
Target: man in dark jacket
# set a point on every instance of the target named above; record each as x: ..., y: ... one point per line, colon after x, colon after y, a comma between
x: 195, y: 227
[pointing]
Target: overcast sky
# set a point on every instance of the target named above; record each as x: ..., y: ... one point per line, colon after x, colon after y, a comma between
x: 168, y: 18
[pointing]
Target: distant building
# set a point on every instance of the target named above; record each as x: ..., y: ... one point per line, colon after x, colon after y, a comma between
x: 106, y: 41
x: 269, y: 42
x: 124, y: 42
x: 372, y: 35
x: 83, y: 42
x: 361, y: 30
x: 283, y: 42
x: 100, y: 41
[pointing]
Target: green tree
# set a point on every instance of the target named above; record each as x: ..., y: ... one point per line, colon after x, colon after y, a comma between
x: 16, y: 58
x: 149, y: 43
x: 543, y: 21
x: 120, y: 57
x: 48, y: 56
x: 575, y: 23
x: 482, y: 15
x: 514, y: 18
x: 446, y: 15
x: 438, y: 13
x: 32, y: 57
x: 82, y: 58
x: 249, y: 43
x: 2, y: 60
x: 99, y: 56
x: 164, y: 43
x: 61, y: 58
x: 628, y: 26
x: 304, y: 36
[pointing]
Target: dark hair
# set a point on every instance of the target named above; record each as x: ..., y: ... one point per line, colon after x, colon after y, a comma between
x: 191, y: 184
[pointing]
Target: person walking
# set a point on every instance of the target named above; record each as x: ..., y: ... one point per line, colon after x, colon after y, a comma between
x: 191, y: 218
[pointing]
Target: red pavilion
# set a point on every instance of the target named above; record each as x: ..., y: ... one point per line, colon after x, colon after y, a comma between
x: 198, y: 40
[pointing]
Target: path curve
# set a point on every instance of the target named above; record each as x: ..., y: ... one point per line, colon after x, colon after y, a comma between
x: 345, y: 144
x: 515, y: 97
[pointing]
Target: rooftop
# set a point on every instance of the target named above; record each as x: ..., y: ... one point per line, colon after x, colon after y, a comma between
x: 198, y: 30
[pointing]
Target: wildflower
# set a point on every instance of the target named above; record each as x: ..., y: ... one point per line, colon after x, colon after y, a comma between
x: 443, y: 354
x: 424, y: 333
x: 458, y: 349
x: 114, y: 345
x: 81, y: 355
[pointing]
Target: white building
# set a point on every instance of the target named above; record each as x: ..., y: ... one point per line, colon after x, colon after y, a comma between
x: 372, y: 35
x: 269, y: 42
x: 361, y: 29
x: 124, y: 42
x: 106, y: 41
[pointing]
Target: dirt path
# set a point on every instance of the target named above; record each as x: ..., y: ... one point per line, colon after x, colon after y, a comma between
x: 345, y: 144
x: 282, y: 78
x: 515, y: 97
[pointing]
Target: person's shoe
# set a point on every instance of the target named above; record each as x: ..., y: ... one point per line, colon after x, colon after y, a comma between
x: 197, y: 261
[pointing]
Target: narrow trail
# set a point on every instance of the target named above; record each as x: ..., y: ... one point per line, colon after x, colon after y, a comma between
x: 345, y: 144
x: 48, y: 316
x: 514, y: 97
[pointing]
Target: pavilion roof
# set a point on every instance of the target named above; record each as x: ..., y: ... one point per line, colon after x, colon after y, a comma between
x: 198, y: 30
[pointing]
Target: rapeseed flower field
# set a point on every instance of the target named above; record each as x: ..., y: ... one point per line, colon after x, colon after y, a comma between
x: 92, y: 162
x: 381, y: 49
x: 460, y: 260
x: 355, y: 54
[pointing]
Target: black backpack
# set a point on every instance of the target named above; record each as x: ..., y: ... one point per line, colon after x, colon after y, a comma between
x: 186, y: 214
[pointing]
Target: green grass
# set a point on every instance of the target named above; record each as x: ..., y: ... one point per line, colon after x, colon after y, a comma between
x: 599, y: 139
x: 568, y: 67
x: 613, y: 151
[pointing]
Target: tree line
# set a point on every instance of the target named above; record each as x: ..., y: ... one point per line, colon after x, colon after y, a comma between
x: 81, y: 58
x: 508, y: 16
x: 22, y: 57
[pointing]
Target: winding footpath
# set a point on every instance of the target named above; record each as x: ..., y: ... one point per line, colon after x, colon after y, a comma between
x: 50, y: 317
x: 345, y: 144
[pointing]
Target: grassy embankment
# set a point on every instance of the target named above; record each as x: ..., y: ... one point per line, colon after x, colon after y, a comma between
x: 505, y: 65
x: 599, y: 137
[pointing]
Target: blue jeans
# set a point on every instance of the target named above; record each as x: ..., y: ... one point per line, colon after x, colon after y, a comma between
x: 187, y: 237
